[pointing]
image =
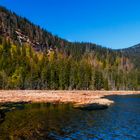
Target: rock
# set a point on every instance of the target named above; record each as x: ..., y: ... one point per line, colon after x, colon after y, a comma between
x: 91, y: 107
x: 96, y: 104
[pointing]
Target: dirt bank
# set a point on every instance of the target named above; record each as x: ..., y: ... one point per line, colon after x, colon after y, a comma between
x: 77, y: 97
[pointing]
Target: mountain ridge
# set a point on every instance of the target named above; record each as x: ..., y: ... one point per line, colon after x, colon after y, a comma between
x: 50, y: 35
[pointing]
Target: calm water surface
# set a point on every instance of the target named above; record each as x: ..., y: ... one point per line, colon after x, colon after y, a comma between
x: 61, y: 122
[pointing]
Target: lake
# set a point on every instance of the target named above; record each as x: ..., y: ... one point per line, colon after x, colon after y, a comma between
x: 120, y: 121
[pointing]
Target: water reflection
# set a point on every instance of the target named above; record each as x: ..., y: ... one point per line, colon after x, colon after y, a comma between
x: 61, y: 122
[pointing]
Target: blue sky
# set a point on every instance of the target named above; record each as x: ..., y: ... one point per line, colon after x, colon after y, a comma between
x: 111, y: 23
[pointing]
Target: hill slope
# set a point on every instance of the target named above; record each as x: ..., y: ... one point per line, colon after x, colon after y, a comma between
x: 32, y: 58
x: 134, y: 54
x: 21, y: 31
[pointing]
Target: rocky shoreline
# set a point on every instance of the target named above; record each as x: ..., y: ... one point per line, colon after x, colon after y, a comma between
x: 86, y: 100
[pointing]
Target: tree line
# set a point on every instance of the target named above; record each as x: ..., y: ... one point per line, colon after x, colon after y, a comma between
x: 21, y: 67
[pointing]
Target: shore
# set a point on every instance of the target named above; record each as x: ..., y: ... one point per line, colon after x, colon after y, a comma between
x: 79, y: 98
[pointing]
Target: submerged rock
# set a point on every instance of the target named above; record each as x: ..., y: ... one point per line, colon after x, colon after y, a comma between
x: 89, y: 107
x: 2, y: 116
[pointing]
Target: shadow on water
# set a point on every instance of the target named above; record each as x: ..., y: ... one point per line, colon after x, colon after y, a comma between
x: 9, y: 107
x: 121, y: 121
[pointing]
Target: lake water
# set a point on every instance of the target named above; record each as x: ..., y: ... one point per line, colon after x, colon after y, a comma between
x: 121, y: 121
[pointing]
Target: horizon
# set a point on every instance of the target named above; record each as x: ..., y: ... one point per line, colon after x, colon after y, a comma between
x: 112, y: 25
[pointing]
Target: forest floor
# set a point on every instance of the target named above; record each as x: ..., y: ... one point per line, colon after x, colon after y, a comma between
x: 80, y: 97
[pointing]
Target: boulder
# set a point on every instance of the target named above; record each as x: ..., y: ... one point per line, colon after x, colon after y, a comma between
x: 96, y: 104
x: 90, y: 107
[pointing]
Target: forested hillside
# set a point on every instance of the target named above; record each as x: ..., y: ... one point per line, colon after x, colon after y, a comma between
x: 32, y: 58
x: 134, y: 54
